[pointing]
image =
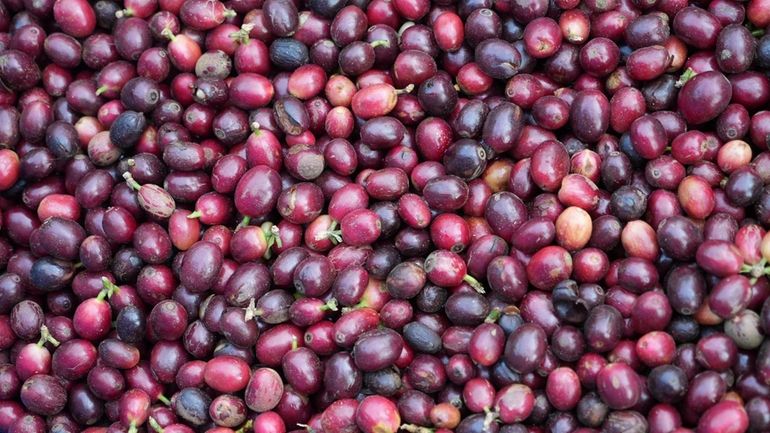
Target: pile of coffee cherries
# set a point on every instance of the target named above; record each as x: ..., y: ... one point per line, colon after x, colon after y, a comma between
x: 384, y: 216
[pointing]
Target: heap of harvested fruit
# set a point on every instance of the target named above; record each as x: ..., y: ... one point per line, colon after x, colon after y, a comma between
x: 382, y: 216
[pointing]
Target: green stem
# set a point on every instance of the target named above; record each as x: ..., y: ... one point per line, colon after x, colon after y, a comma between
x: 101, y: 90
x: 277, y: 236
x: 363, y: 303
x: 168, y: 34
x: 490, y: 418
x: 407, y: 89
x: 268, y: 230
x: 245, y: 221
x: 242, y: 35
x: 108, y: 290
x: 131, y: 182
x: 163, y: 399
x: 685, y: 77
x: 245, y: 427
x: 124, y: 13
x: 474, y: 283
x: 154, y: 425
x: 758, y: 33
x: 46, y: 337
x: 194, y: 215
x: 132, y: 427
x: 330, y: 305
x: 757, y: 270
x: 404, y: 26
x: 229, y: 13
x: 493, y: 315
x: 102, y: 294
x: 335, y: 236
x: 109, y: 287
x: 414, y: 428
x: 380, y: 43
